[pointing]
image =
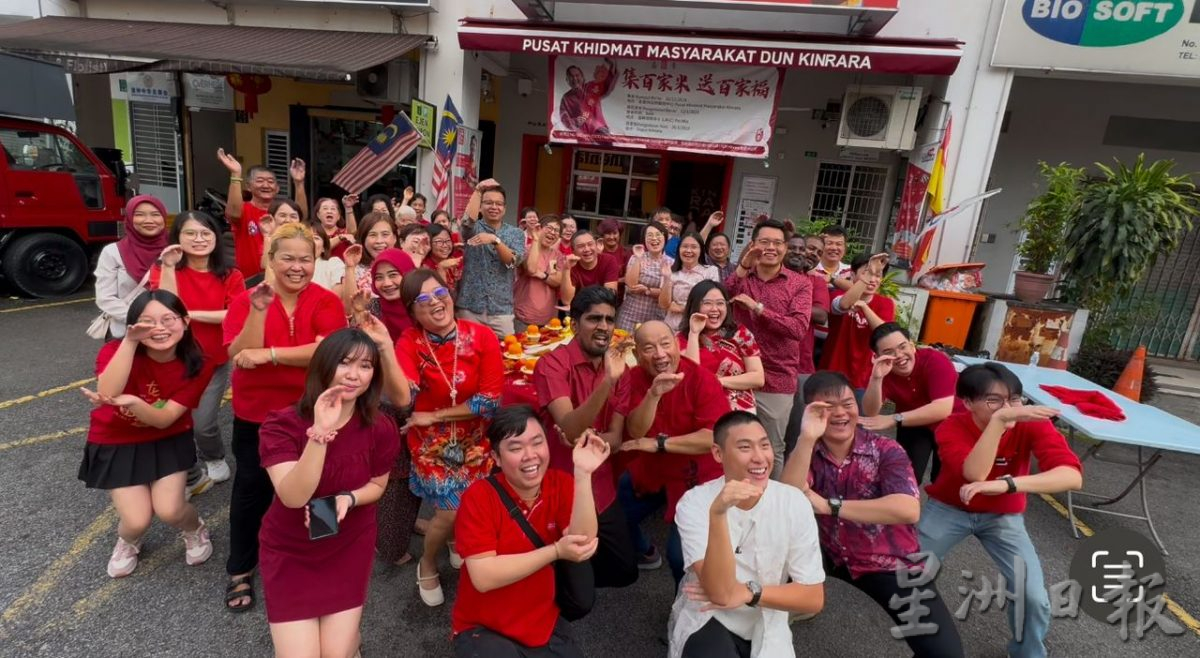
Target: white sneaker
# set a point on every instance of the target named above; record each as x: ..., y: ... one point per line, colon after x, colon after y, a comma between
x: 197, y: 545
x: 218, y: 470
x: 203, y: 484
x: 124, y: 558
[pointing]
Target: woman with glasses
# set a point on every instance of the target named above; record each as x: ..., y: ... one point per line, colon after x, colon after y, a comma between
x: 535, y: 293
x: 444, y: 257
x: 643, y: 279
x: 139, y: 445
x: 458, y: 370
x: 270, y: 333
x: 681, y: 276
x: 716, y: 342
x: 195, y: 268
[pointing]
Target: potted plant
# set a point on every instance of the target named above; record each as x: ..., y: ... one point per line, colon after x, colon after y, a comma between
x: 1044, y: 227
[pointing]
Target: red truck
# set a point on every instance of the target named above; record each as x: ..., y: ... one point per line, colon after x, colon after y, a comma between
x: 59, y: 204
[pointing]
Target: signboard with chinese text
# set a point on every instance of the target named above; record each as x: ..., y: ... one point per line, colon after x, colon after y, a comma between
x: 150, y: 87
x: 700, y: 108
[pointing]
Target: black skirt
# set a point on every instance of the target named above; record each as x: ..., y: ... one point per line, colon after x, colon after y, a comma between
x: 134, y: 464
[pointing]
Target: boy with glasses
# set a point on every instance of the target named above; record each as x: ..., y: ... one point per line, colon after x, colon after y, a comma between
x: 980, y: 490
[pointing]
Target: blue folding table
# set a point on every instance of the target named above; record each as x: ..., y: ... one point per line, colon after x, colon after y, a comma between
x: 1149, y: 429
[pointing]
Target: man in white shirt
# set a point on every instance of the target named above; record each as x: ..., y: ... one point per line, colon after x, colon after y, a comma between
x: 744, y: 536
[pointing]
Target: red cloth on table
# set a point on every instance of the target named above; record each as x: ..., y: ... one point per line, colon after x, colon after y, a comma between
x: 1089, y: 403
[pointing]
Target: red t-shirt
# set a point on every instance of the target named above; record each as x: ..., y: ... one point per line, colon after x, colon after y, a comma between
x: 607, y: 270
x: 153, y: 382
x: 567, y: 373
x: 808, y: 343
x: 259, y: 391
x: 524, y: 611
x: 957, y: 435
x: 694, y: 404
x: 933, y: 378
x: 203, y: 291
x: 248, y: 239
x: 848, y: 349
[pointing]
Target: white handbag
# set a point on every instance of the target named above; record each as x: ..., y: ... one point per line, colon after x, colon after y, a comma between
x: 99, y: 327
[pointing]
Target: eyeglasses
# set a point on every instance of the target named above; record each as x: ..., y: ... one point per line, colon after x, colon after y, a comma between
x: 203, y: 235
x: 994, y: 402
x: 426, y: 299
x: 902, y: 348
x: 492, y: 204
x: 763, y: 242
x: 442, y: 242
x: 166, y: 321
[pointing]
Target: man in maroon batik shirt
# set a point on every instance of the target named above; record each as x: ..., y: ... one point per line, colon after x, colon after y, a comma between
x: 574, y: 386
x: 867, y: 503
x: 775, y: 304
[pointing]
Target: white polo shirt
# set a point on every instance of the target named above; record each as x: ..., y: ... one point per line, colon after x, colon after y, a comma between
x: 774, y: 541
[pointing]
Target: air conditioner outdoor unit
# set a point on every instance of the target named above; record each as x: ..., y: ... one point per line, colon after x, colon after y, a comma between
x: 393, y: 82
x: 879, y: 117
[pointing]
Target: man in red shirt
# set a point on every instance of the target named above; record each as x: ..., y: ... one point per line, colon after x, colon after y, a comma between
x: 665, y: 409
x: 853, y: 316
x: 244, y: 217
x: 980, y: 490
x: 920, y: 382
x: 574, y: 386
x: 506, y: 599
x: 775, y: 304
x: 591, y: 266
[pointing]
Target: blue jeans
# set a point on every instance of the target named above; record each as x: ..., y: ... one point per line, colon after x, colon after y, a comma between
x: 637, y: 508
x: 1004, y: 538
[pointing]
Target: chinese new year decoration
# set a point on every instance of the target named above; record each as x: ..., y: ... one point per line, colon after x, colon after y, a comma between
x: 250, y: 86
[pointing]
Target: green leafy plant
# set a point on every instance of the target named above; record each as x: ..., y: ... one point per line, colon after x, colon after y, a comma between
x: 1048, y: 215
x: 1103, y: 365
x: 1127, y: 218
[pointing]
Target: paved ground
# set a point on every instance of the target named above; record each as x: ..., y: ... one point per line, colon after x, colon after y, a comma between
x: 55, y: 538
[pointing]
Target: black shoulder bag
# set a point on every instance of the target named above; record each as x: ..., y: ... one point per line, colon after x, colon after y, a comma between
x: 574, y: 582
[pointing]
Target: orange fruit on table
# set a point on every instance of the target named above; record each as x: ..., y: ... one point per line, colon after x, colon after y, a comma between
x: 532, y: 329
x: 529, y: 363
x: 515, y: 349
x: 554, y: 324
x: 510, y: 339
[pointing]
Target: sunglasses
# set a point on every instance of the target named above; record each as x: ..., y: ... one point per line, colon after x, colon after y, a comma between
x: 426, y: 299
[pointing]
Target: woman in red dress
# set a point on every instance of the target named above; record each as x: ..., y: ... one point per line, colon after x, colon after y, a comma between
x: 334, y: 442
x: 444, y: 256
x: 712, y: 339
x: 327, y: 218
x: 270, y: 334
x: 458, y: 370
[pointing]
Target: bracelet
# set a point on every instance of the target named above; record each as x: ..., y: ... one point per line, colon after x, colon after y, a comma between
x: 319, y: 437
x: 235, y: 179
x: 274, y: 357
x: 353, y: 499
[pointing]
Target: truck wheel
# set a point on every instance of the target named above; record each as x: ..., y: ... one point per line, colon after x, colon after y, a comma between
x: 45, y: 265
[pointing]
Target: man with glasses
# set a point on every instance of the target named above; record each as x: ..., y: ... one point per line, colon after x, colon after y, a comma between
x: 493, y: 251
x: 980, y: 491
x: 775, y: 304
x: 574, y: 385
x: 541, y: 276
x: 920, y: 382
x: 867, y: 503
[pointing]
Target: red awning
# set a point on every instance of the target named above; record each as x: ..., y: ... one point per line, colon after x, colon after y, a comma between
x: 782, y: 49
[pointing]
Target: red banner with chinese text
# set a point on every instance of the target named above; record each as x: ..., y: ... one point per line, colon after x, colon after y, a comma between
x: 673, y: 106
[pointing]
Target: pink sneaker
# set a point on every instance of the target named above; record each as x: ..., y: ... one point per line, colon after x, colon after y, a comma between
x: 197, y: 546
x: 124, y: 558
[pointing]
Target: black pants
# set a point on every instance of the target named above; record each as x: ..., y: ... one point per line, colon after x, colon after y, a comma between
x: 482, y: 642
x: 881, y: 587
x: 921, y: 447
x: 249, y: 500
x: 615, y: 561
x: 713, y: 640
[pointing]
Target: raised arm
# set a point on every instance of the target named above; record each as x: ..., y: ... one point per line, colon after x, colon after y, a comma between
x: 233, y: 198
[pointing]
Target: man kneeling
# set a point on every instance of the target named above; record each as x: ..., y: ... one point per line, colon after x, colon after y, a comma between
x: 743, y: 536
x: 506, y: 606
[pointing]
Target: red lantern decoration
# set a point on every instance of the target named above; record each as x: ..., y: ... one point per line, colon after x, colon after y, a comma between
x: 250, y: 86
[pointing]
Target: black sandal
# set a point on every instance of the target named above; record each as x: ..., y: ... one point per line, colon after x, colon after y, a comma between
x: 233, y: 593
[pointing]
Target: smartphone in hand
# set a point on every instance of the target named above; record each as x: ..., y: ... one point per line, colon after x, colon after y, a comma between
x: 322, y: 517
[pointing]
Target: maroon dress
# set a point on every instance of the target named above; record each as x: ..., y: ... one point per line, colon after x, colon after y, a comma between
x: 302, y: 578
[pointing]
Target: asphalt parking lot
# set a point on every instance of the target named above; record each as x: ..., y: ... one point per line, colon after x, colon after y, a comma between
x: 55, y: 538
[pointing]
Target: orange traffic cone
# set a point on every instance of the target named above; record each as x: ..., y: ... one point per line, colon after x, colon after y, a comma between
x: 1130, y: 382
x: 1058, y: 357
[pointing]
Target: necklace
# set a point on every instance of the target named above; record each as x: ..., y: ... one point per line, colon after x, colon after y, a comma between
x: 453, y: 368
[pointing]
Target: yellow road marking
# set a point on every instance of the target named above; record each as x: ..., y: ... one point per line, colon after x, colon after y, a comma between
x: 53, y: 436
x: 46, y: 393
x: 51, y: 304
x: 36, y: 593
x: 1186, y: 618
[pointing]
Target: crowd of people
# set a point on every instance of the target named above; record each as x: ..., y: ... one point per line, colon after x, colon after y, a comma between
x: 742, y: 395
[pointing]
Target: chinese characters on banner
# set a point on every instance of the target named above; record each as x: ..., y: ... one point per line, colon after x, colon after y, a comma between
x: 701, y: 108
x: 465, y: 173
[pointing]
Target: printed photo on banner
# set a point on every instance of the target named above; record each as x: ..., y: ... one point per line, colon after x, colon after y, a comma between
x: 701, y: 108
x: 423, y: 117
x: 466, y: 165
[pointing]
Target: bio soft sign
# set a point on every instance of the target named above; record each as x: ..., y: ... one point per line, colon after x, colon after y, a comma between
x: 1101, y: 23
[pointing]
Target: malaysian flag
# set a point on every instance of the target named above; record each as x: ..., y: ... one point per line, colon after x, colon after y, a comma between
x: 380, y: 156
x: 447, y: 145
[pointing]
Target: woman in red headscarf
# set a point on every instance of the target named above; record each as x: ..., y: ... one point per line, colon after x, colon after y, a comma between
x: 123, y: 265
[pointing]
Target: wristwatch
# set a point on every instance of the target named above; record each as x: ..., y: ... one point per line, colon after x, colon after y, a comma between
x: 662, y: 442
x: 758, y: 309
x: 755, y: 593
x: 899, y: 418
x: 1012, y: 484
x: 835, y: 506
